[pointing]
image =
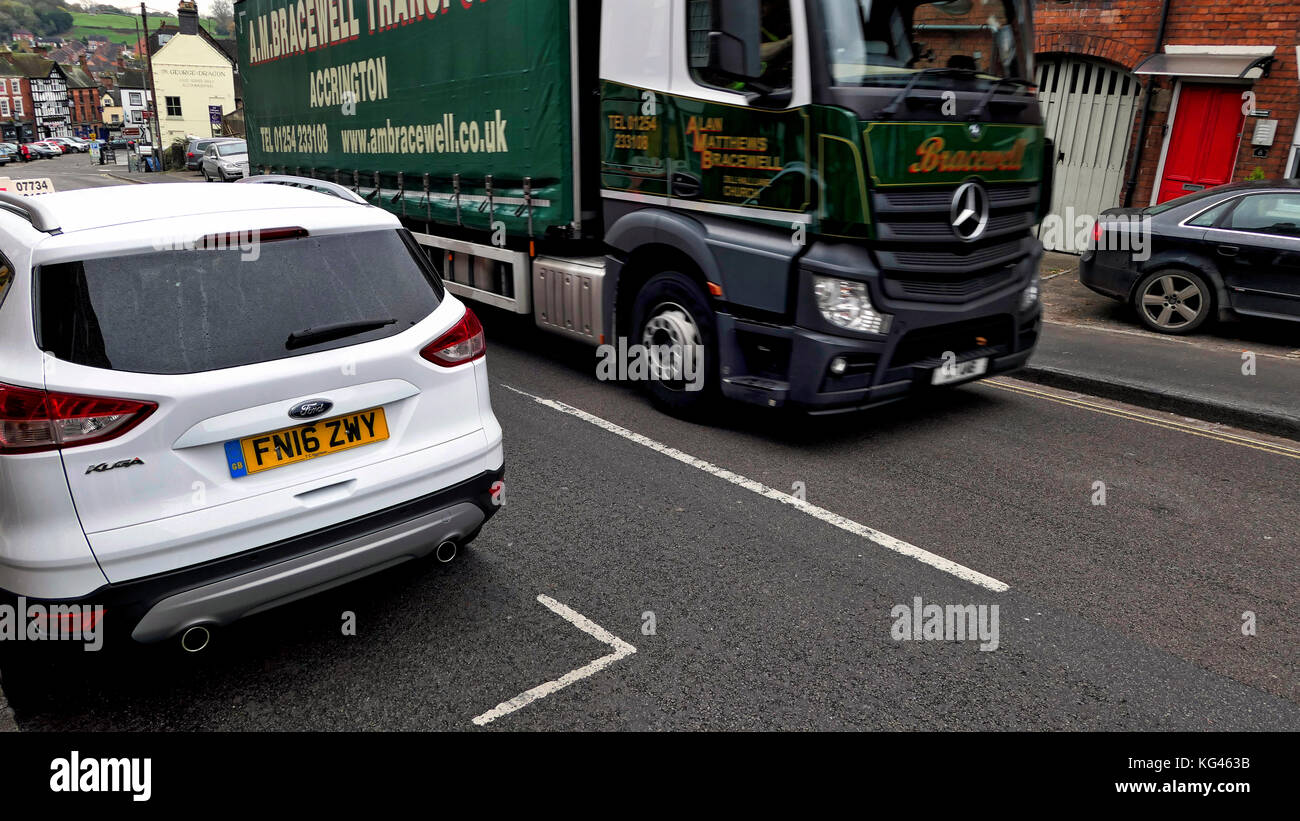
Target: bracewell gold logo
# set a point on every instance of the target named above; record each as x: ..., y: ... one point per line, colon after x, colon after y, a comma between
x: 935, y: 158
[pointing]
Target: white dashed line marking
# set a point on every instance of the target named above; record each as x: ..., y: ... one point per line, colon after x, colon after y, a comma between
x: 621, y: 650
x: 870, y: 534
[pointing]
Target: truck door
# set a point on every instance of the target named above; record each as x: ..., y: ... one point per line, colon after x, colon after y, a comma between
x: 731, y: 146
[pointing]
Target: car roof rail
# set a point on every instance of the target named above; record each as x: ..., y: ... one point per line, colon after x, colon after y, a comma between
x: 321, y: 186
x: 30, y: 209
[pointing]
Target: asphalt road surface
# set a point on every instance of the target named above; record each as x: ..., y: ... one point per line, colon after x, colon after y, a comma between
x: 750, y: 609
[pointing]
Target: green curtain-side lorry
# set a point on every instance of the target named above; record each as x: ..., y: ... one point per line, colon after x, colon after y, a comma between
x: 830, y: 202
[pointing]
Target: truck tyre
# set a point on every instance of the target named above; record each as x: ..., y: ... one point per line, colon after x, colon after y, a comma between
x: 672, y: 319
x: 1173, y: 301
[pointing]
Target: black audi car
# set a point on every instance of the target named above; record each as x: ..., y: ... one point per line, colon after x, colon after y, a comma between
x: 1229, y: 251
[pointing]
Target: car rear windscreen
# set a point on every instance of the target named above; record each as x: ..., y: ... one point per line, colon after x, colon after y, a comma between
x: 187, y: 311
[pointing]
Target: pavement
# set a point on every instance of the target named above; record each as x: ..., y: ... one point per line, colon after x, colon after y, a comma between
x: 1242, y: 373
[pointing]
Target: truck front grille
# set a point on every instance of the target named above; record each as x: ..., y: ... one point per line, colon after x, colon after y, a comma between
x: 921, y: 258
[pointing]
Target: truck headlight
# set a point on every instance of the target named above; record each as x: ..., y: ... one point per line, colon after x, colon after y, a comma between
x: 845, y: 303
x: 1029, y: 296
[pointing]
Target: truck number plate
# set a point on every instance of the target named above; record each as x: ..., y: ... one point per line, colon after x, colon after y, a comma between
x: 959, y: 371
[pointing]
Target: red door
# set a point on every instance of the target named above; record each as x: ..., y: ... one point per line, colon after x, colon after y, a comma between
x: 1203, y: 147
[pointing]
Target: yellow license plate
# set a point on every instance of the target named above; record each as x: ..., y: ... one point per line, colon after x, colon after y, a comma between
x: 254, y: 454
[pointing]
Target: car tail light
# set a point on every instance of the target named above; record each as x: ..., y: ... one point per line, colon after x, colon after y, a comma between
x: 463, y: 343
x: 1096, y: 232
x: 36, y: 420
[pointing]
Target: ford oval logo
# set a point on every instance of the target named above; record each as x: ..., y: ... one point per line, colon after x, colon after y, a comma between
x: 310, y: 409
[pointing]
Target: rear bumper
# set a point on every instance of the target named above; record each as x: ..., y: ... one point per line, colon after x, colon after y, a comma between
x: 1114, y: 281
x: 220, y: 592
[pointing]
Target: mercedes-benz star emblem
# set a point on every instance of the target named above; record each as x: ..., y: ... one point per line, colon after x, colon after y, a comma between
x: 969, y: 214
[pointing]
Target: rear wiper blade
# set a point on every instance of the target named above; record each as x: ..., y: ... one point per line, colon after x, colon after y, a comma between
x: 890, y: 110
x: 338, y: 330
x: 978, y: 111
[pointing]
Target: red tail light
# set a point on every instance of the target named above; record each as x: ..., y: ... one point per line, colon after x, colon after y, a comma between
x: 463, y: 343
x: 1096, y: 233
x: 34, y: 420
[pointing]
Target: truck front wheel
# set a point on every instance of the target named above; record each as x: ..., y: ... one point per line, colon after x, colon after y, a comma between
x: 672, y: 321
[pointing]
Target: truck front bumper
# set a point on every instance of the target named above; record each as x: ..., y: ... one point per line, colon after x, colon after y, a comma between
x: 775, y: 364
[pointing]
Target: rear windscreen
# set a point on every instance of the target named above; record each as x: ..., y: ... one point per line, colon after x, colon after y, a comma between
x: 186, y: 311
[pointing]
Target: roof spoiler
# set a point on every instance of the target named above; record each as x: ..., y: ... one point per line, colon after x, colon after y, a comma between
x: 319, y: 186
x: 41, y: 217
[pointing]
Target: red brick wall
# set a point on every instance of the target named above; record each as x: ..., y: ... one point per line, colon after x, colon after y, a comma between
x: 1124, y: 32
x: 84, y: 106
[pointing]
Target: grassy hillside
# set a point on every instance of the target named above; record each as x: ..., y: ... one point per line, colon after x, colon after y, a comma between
x: 119, y: 28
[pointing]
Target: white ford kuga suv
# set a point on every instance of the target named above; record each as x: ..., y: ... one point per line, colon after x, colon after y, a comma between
x: 217, y: 400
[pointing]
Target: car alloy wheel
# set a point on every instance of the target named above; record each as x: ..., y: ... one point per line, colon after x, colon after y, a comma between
x: 1173, y: 301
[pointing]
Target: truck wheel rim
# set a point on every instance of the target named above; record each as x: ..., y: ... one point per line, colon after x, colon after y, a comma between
x: 1172, y: 301
x: 669, y: 336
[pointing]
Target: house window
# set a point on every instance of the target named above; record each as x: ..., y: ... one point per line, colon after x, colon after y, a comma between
x: 173, y: 106
x: 18, y: 106
x: 136, y: 99
x: 116, y: 119
x: 4, y: 106
x: 16, y: 85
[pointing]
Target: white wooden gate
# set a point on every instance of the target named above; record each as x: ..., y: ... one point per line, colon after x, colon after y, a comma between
x: 1088, y: 107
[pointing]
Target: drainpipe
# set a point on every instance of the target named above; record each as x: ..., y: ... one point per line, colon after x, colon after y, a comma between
x: 1136, y: 163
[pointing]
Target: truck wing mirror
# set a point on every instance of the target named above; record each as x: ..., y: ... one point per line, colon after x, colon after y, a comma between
x: 725, y: 37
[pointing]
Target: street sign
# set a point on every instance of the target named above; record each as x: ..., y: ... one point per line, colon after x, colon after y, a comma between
x: 27, y: 187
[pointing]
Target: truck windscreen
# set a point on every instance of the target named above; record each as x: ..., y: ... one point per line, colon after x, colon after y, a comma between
x: 888, y: 42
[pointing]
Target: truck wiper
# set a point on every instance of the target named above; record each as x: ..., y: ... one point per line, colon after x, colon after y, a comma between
x: 889, y: 111
x: 338, y: 330
x: 977, y: 112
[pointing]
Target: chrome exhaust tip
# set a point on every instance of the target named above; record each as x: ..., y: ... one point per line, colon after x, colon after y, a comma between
x: 195, y: 639
x: 446, y: 551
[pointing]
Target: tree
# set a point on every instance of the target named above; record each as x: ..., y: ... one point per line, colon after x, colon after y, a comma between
x: 51, y: 19
x: 224, y: 16
x: 15, y: 16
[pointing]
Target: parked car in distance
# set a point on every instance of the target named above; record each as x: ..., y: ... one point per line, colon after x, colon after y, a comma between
x: 195, y: 149
x: 40, y: 150
x: 225, y: 161
x: 1230, y: 251
x: 315, y: 473
x: 69, y: 144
